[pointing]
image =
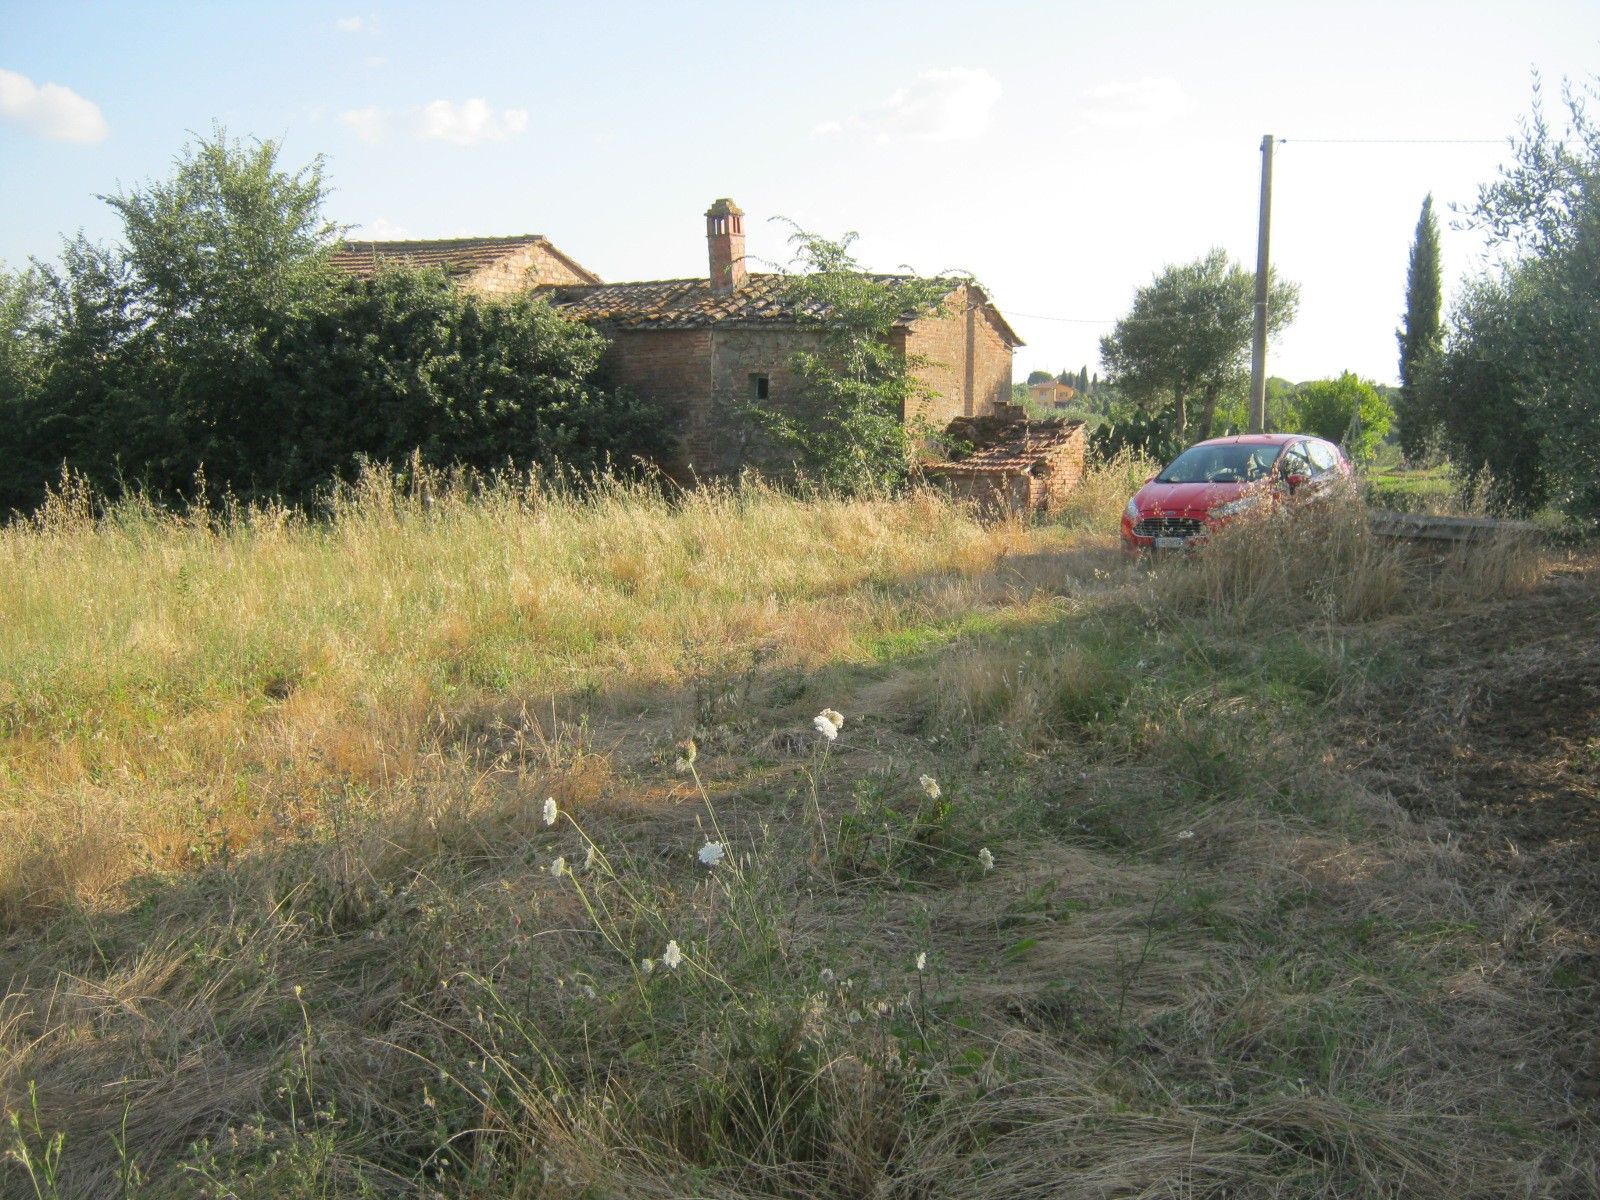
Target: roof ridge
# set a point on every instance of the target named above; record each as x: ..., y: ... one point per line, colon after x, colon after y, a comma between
x: 362, y: 244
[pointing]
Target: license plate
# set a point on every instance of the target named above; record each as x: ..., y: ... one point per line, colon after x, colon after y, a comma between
x: 1171, y: 543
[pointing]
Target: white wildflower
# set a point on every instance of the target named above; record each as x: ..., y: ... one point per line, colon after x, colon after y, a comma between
x: 922, y: 960
x: 647, y: 965
x: 931, y: 786
x: 836, y: 717
x: 687, y: 753
x: 671, y: 956
x: 824, y: 726
x: 558, y: 866
x: 986, y: 859
x: 1186, y: 835
x: 588, y: 992
x: 588, y: 858
x: 712, y: 853
x: 551, y: 812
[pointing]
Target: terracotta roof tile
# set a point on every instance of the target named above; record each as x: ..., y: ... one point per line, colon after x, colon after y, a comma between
x: 1015, y: 455
x: 456, y: 256
x: 690, y: 303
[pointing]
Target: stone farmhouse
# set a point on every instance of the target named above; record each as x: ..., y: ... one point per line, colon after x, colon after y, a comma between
x: 701, y: 347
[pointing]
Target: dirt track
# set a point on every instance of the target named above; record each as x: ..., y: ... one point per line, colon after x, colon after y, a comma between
x: 1495, y: 741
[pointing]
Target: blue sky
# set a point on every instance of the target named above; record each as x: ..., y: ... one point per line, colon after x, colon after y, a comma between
x: 1061, y: 152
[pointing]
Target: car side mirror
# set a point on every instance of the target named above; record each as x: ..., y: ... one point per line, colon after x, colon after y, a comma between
x: 1152, y: 478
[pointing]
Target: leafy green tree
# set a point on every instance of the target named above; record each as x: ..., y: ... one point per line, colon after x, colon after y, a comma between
x: 217, y: 338
x: 1489, y: 394
x: 22, y: 365
x: 1186, y: 340
x: 1039, y: 377
x: 406, y: 363
x: 21, y: 357
x: 850, y: 431
x: 1517, y: 387
x: 157, y: 349
x: 1421, y: 336
x: 1348, y: 410
x: 230, y: 241
x: 97, y: 399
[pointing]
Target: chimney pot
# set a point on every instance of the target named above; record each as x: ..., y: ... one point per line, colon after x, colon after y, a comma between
x: 725, y: 242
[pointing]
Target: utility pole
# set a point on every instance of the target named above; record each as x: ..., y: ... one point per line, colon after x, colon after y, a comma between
x: 1258, y: 350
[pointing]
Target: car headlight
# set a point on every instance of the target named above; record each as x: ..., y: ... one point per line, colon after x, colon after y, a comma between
x: 1132, y: 510
x: 1235, y: 507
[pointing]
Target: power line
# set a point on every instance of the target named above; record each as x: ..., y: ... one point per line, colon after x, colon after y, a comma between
x: 1393, y: 141
x: 1281, y: 142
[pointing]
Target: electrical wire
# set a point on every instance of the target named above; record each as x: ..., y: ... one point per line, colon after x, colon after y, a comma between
x: 1391, y: 141
x: 1280, y: 141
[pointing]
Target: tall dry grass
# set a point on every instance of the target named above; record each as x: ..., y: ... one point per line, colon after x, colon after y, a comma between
x: 175, y: 686
x: 1133, y: 935
x: 1323, y: 561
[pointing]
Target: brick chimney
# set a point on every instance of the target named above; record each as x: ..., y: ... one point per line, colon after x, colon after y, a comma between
x: 725, y: 236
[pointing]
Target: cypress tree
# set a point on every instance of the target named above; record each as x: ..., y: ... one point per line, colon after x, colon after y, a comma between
x: 1420, y: 337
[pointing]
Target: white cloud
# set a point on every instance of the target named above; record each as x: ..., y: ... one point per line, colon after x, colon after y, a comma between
x: 350, y: 24
x: 470, y: 122
x: 369, y: 123
x: 1135, y: 104
x: 51, y: 111
x: 381, y: 230
x: 946, y: 105
x: 465, y: 124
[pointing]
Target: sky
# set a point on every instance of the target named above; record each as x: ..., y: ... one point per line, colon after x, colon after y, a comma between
x: 1062, y: 153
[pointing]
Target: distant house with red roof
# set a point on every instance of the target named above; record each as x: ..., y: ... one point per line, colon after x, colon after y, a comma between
x: 1052, y: 393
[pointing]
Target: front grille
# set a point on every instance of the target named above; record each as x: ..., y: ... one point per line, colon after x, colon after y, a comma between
x: 1167, y: 527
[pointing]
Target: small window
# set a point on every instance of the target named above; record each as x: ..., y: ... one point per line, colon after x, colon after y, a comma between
x: 1295, y: 462
x: 759, y: 387
x: 1323, y: 456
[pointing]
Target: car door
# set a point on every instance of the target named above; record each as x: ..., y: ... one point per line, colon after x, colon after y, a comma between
x: 1294, y: 470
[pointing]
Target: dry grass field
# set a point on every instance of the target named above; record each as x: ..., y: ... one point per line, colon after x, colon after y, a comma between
x: 484, y: 843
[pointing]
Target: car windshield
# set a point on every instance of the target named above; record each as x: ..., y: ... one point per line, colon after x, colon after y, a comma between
x: 1220, y: 464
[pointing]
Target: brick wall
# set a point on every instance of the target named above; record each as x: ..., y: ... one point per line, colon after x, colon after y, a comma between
x: 738, y: 355
x: 969, y: 361
x: 702, y: 376
x: 672, y: 368
x: 1065, y: 469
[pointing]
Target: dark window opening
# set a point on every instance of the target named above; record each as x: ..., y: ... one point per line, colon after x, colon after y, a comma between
x: 759, y: 386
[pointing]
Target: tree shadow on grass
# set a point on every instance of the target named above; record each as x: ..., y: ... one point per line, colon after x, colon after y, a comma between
x: 213, y: 995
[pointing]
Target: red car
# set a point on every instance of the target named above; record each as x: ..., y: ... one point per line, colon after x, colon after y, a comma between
x: 1213, y: 482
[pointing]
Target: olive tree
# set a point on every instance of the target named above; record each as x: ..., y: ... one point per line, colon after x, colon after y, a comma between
x: 1186, y: 341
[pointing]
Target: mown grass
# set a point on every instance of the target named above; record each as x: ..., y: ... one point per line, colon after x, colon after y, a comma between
x: 1433, y: 489
x: 284, y: 914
